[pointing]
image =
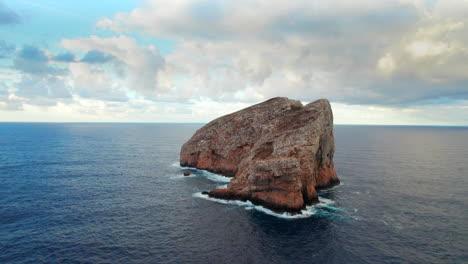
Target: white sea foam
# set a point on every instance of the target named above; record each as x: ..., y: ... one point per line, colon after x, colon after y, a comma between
x: 308, y: 212
x: 203, y: 173
x: 331, y: 189
x: 181, y: 176
x: 326, y: 204
x: 214, y: 177
x: 177, y: 165
x: 234, y: 202
x: 325, y: 201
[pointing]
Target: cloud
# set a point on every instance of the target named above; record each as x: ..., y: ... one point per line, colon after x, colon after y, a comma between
x: 64, y: 57
x: 38, y: 83
x: 6, y: 49
x: 436, y: 52
x: 96, y: 56
x: 96, y: 83
x: 112, y: 70
x: 397, y: 60
x: 8, y: 16
x: 32, y: 53
x: 203, y: 19
x: 6, y: 101
x: 135, y: 68
x: 365, y: 52
x: 43, y: 91
x: 446, y: 115
x: 33, y: 60
x: 43, y: 87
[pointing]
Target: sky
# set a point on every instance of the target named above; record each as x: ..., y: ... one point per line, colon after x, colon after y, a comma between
x: 395, y: 62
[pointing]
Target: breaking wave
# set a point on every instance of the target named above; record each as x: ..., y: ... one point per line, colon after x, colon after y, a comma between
x: 214, y: 177
x: 308, y: 212
x: 202, y: 173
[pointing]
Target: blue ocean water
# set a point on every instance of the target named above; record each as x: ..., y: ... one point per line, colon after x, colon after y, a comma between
x: 114, y: 193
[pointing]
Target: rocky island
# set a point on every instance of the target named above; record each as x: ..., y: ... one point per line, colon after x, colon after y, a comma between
x: 279, y: 153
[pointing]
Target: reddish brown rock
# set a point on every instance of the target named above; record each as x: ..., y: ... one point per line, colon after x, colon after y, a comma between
x: 279, y: 152
x: 186, y: 173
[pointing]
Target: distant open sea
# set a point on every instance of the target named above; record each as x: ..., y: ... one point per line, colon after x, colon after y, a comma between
x: 114, y: 193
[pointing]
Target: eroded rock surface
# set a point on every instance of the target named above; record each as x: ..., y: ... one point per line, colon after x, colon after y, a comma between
x: 279, y: 152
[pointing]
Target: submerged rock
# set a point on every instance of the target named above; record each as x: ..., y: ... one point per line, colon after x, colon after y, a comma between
x: 279, y: 152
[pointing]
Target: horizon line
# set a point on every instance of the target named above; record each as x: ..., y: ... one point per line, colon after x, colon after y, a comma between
x: 204, y: 123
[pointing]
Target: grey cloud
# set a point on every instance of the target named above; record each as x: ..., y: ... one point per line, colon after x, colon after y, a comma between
x: 8, y: 16
x: 33, y: 60
x: 219, y: 20
x: 93, y: 83
x: 129, y: 67
x: 40, y: 83
x: 32, y: 53
x: 5, y: 102
x: 96, y: 56
x: 391, y: 53
x: 6, y: 49
x: 34, y: 87
x: 314, y: 26
x: 10, y: 105
x: 412, y: 91
x: 65, y: 57
x: 112, y: 94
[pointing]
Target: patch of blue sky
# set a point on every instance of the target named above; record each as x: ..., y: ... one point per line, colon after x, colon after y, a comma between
x: 46, y: 23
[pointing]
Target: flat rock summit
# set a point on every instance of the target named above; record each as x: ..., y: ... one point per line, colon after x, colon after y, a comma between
x: 279, y: 152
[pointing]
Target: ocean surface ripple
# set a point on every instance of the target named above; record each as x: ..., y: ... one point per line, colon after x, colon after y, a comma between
x: 114, y: 193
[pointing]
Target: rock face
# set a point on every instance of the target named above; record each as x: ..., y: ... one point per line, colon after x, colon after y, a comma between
x: 279, y: 152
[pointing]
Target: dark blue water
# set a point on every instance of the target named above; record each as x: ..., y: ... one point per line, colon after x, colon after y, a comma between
x: 111, y: 193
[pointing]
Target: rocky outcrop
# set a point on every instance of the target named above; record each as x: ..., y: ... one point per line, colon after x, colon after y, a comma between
x: 279, y: 152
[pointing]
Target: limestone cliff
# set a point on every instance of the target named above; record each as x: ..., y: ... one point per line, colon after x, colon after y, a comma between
x: 279, y: 152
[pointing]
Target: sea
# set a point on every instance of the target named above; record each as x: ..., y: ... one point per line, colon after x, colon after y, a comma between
x: 115, y: 193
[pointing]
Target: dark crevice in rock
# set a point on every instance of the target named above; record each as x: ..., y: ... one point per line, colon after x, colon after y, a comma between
x: 264, y: 151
